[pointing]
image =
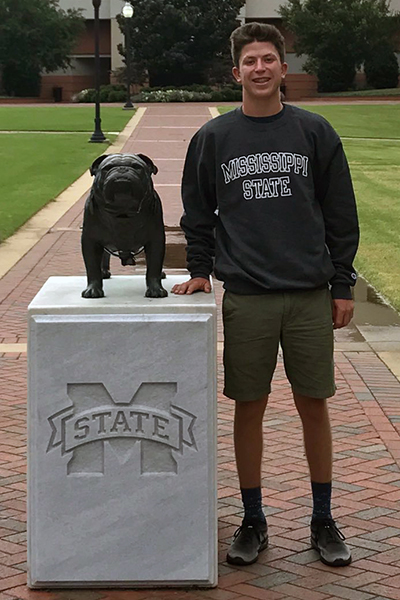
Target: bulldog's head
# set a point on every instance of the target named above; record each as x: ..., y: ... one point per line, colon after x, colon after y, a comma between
x: 123, y: 183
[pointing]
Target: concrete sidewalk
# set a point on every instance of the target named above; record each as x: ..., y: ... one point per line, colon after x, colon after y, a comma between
x: 365, y: 417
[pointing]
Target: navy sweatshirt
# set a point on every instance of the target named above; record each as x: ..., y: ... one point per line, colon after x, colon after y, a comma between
x: 269, y: 205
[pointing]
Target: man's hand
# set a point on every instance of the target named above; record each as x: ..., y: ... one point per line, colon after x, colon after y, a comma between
x: 197, y: 284
x: 342, y: 312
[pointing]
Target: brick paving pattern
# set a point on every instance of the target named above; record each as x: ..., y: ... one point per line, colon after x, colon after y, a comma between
x: 365, y: 415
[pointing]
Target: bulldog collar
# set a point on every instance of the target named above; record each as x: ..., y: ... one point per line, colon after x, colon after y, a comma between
x: 126, y: 257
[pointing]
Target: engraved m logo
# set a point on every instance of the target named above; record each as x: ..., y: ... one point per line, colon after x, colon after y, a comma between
x: 95, y: 418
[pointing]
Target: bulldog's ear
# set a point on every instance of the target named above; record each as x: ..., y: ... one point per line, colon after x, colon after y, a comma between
x: 150, y: 163
x: 96, y: 164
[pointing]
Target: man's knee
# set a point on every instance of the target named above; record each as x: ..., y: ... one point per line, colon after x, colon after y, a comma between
x: 251, y: 410
x: 311, y: 409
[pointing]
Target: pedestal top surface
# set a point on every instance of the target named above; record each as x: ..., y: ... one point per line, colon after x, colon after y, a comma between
x: 123, y: 294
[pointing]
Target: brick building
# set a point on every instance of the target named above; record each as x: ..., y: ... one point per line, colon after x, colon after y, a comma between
x: 81, y: 73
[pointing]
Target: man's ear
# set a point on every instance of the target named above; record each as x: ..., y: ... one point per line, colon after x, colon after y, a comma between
x: 236, y: 74
x: 96, y: 164
x: 149, y: 162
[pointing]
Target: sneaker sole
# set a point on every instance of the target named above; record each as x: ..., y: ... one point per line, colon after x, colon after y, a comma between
x: 237, y: 560
x: 340, y: 562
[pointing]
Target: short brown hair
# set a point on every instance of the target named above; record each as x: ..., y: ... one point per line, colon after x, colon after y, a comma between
x: 256, y: 32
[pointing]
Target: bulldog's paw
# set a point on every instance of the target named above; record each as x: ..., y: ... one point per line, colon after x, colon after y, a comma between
x: 105, y: 274
x: 93, y: 291
x: 156, y: 291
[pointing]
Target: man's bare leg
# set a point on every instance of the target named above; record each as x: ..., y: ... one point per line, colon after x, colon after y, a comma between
x: 317, y: 436
x: 325, y: 537
x: 252, y: 537
x: 248, y: 437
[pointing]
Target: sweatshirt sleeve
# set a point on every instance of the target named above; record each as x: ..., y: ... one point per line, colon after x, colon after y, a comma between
x: 335, y: 193
x: 200, y: 204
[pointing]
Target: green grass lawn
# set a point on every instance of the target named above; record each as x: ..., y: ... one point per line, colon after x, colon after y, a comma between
x: 35, y: 169
x: 61, y: 118
x: 375, y: 170
x: 377, y: 121
x: 364, y: 93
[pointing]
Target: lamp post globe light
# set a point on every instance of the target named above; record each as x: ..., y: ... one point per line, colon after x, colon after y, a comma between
x: 127, y: 13
x: 98, y: 135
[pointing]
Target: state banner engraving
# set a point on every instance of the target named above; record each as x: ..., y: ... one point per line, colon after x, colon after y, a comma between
x: 94, y: 418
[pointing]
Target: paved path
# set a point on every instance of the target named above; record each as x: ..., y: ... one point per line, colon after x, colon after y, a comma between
x: 365, y: 417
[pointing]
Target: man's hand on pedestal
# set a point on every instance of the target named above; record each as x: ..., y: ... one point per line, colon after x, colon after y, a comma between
x: 197, y: 284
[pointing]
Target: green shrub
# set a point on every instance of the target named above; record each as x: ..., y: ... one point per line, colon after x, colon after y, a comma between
x: 85, y: 96
x: 231, y: 95
x: 172, y: 95
x: 197, y: 87
x: 382, y: 68
x: 335, y: 76
x: 217, y: 97
x: 117, y: 96
x: 118, y: 87
x: 104, y: 95
x: 200, y: 93
x: 190, y: 93
x: 20, y: 80
x: 108, y: 93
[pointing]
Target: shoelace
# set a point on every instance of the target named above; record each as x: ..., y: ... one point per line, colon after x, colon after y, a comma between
x: 246, y: 529
x: 237, y: 532
x: 333, y: 529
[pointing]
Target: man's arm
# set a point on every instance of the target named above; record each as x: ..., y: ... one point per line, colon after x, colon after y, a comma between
x: 199, y: 218
x: 336, y: 195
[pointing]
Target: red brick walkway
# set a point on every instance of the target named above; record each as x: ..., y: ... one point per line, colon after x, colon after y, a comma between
x: 365, y: 418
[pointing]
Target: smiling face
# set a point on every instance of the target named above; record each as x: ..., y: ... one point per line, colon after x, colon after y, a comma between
x: 260, y: 72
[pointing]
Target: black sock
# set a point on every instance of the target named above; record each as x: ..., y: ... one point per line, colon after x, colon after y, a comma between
x: 322, y: 493
x: 252, y: 503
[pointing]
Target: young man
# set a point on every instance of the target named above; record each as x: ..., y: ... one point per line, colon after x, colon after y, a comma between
x: 267, y: 193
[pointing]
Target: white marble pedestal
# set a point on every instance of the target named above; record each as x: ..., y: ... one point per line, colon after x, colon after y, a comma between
x: 122, y: 437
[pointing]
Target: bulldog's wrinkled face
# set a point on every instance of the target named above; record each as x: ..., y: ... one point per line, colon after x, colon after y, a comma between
x: 123, y: 182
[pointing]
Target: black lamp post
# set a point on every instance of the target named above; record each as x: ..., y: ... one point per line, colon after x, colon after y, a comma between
x: 98, y: 135
x: 127, y: 12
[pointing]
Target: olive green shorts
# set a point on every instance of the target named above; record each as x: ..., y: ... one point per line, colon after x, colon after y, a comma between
x: 301, y: 321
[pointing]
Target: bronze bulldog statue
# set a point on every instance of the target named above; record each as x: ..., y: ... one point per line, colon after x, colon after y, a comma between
x: 123, y: 216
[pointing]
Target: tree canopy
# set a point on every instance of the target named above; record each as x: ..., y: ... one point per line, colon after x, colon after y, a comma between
x: 177, y: 41
x: 338, y: 36
x: 35, y: 35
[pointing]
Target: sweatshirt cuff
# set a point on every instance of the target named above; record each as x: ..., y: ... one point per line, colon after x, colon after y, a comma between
x: 341, y: 291
x: 197, y: 274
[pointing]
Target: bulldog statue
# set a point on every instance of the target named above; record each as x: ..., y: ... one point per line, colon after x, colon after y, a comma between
x: 123, y: 216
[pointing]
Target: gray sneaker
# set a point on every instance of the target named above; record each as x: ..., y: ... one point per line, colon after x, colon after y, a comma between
x: 328, y: 540
x: 248, y: 541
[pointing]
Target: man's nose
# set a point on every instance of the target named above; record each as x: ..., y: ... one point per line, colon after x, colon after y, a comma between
x: 260, y: 65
